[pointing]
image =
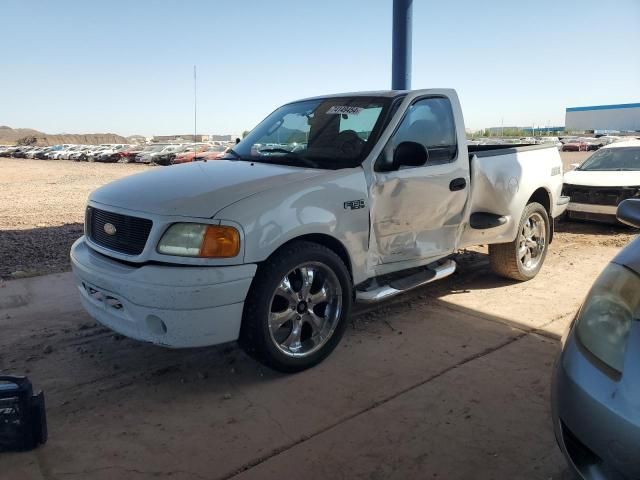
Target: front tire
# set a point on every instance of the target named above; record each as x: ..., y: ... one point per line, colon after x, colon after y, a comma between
x: 522, y: 259
x: 297, y: 308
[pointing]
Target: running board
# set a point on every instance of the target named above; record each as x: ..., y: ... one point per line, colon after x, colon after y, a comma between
x: 404, y: 284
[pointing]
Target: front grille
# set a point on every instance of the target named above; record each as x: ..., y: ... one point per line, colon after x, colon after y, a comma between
x: 130, y: 235
x: 599, y: 195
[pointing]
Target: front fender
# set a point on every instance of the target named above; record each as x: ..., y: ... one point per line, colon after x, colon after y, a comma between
x: 334, y: 204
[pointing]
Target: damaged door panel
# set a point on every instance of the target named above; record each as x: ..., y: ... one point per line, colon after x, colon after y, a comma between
x: 419, y: 201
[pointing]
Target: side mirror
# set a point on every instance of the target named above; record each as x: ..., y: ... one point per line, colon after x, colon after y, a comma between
x: 575, y: 165
x: 410, y: 154
x: 629, y: 212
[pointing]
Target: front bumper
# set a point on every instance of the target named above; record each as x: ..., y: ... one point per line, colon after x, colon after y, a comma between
x: 561, y: 206
x: 596, y: 417
x: 592, y: 208
x: 592, y: 212
x: 173, y: 306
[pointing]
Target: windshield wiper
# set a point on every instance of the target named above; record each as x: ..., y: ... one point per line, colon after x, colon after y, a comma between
x: 276, y: 150
x: 237, y: 156
x: 234, y: 153
x: 287, y: 159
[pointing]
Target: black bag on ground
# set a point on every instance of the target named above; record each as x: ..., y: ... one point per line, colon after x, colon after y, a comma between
x: 23, y: 419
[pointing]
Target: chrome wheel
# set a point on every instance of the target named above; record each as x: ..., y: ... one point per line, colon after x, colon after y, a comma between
x: 305, y: 309
x: 532, y: 241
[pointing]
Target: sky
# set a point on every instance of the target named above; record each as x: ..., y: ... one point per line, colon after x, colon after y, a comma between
x: 127, y: 66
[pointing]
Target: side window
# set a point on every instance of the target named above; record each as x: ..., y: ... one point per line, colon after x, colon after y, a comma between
x: 430, y: 123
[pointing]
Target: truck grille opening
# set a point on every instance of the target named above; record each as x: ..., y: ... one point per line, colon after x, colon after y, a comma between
x: 121, y: 233
x: 599, y: 195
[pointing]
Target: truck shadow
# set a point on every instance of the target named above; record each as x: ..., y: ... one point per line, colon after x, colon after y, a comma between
x: 578, y: 227
x: 37, y: 251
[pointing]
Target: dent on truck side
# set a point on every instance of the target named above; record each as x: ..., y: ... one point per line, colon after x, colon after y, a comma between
x: 334, y: 204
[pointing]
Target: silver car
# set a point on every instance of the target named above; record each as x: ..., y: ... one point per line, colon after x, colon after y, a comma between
x: 596, y: 382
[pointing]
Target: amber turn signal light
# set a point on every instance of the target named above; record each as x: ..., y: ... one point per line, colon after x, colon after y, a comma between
x: 220, y: 242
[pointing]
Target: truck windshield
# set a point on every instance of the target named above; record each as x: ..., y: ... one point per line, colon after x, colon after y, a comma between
x: 322, y: 133
x: 619, y: 158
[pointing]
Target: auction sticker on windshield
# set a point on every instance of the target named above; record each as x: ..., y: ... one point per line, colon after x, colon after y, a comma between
x: 340, y: 109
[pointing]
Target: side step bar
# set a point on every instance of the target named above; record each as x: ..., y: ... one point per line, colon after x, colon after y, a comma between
x: 401, y: 285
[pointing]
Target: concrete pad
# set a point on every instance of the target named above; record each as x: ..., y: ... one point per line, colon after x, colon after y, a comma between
x: 119, y: 407
x: 19, y: 466
x: 486, y: 419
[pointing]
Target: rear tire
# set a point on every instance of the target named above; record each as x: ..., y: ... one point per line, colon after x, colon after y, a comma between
x: 297, y: 308
x: 522, y: 259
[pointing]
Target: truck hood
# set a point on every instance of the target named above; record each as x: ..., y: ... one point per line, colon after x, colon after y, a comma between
x: 197, y: 189
x: 602, y: 179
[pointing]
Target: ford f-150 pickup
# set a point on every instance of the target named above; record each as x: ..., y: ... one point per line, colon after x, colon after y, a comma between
x: 328, y: 201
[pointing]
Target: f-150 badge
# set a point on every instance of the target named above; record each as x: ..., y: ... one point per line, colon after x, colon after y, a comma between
x: 354, y: 204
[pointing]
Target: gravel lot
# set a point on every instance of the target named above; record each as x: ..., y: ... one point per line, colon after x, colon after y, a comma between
x: 42, y: 210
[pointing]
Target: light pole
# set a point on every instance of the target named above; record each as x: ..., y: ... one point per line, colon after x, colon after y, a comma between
x: 401, y: 45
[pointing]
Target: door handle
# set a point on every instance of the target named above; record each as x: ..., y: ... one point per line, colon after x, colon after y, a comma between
x: 457, y: 184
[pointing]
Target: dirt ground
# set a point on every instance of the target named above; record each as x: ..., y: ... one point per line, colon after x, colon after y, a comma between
x: 42, y: 210
x: 449, y: 381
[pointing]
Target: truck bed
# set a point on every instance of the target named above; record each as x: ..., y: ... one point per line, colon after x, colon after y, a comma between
x: 504, y: 149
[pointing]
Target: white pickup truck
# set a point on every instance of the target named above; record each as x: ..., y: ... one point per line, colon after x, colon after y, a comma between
x: 329, y: 200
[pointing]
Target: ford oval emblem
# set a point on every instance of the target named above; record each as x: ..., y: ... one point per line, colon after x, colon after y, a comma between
x: 109, y: 229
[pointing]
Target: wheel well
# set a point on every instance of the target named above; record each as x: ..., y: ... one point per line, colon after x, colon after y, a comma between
x: 331, y: 243
x: 543, y: 198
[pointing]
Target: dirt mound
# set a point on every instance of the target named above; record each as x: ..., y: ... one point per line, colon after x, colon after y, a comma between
x: 10, y: 135
x: 85, y: 139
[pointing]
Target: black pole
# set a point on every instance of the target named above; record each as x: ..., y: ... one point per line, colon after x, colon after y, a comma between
x: 401, y: 45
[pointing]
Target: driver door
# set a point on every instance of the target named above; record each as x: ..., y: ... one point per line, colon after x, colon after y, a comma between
x: 417, y: 210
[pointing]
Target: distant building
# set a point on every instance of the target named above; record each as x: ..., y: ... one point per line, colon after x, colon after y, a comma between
x: 497, y: 131
x: 222, y: 138
x: 190, y: 138
x: 179, y: 138
x: 622, y: 118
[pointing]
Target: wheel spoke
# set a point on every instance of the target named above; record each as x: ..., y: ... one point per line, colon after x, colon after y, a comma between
x: 307, y: 274
x: 292, y: 342
x: 522, y: 251
x: 316, y: 321
x: 320, y: 296
x: 277, y: 319
x: 285, y: 291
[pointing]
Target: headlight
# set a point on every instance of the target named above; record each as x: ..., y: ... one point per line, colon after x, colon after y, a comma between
x: 604, y: 320
x: 197, y: 240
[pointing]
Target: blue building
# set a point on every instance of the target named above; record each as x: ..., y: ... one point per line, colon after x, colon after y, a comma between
x: 622, y: 118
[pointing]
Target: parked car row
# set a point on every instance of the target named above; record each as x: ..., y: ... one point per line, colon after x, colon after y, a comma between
x: 515, y: 141
x: 159, y: 154
x: 587, y: 144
